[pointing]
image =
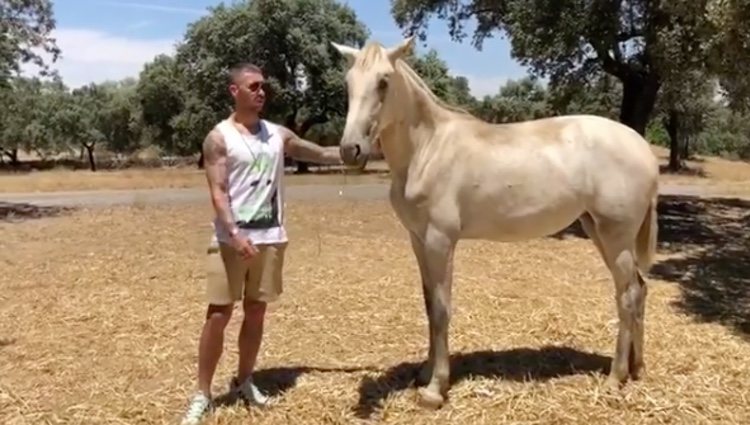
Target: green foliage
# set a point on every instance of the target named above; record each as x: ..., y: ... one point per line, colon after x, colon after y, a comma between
x: 517, y: 100
x: 600, y: 94
x: 434, y: 71
x: 657, y: 134
x: 726, y: 133
x: 728, y: 48
x: 160, y: 97
x: 645, y: 44
x: 652, y: 64
x: 27, y: 110
x: 289, y: 40
x: 25, y: 26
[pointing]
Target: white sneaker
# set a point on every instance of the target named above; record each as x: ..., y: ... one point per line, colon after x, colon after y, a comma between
x: 199, y: 406
x: 248, y: 392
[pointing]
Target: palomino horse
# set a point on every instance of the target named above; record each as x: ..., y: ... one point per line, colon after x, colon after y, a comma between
x: 455, y: 177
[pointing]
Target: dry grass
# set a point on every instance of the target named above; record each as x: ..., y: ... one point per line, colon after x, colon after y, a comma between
x: 99, y: 323
x: 723, y: 175
x: 158, y: 178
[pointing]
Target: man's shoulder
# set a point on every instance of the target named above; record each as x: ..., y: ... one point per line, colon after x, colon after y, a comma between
x: 219, y: 131
x: 275, y: 128
x: 214, y: 141
x: 215, y: 135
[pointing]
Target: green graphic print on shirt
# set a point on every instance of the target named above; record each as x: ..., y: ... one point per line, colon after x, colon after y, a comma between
x: 261, y: 209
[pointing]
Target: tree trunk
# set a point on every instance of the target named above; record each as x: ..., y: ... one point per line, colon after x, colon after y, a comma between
x: 638, y: 100
x: 12, y: 155
x: 291, y: 123
x: 303, y: 167
x: 672, y: 124
x: 90, y: 151
x: 686, y: 148
x: 309, y: 123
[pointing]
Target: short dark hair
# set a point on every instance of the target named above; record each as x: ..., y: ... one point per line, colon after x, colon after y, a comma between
x: 240, y: 68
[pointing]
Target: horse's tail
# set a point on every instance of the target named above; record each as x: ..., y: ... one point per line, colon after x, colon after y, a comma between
x: 645, y: 249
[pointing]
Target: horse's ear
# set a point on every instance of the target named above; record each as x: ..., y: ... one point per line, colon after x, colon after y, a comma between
x: 348, y: 52
x: 402, y: 49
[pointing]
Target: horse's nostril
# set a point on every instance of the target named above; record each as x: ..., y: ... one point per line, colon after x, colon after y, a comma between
x: 357, y: 150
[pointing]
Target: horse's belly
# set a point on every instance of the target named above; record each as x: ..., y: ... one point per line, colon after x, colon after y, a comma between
x: 520, y: 222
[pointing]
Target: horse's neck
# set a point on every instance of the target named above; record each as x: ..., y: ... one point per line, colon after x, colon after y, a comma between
x: 415, y: 118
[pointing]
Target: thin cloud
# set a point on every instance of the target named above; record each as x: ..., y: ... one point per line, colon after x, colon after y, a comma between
x: 140, y: 24
x: 155, y: 7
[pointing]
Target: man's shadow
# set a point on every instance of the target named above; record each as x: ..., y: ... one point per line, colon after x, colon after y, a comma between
x: 274, y: 382
x: 521, y: 364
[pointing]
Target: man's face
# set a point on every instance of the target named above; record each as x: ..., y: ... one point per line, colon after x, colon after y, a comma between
x: 248, y: 91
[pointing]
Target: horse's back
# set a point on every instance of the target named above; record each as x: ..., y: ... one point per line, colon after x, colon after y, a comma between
x: 598, y: 148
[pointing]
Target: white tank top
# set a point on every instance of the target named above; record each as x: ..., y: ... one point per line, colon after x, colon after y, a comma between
x: 255, y: 167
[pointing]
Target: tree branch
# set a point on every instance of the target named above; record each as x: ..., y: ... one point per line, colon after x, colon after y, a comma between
x: 614, y: 66
x: 308, y: 123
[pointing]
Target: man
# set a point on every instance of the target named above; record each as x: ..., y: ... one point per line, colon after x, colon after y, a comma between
x: 244, y: 161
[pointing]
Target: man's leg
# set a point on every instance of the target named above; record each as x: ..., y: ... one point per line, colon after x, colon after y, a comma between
x: 211, y: 344
x: 251, y: 335
x: 264, y: 285
x: 225, y: 277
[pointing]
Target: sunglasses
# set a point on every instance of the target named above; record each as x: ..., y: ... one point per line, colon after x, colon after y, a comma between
x: 254, y: 87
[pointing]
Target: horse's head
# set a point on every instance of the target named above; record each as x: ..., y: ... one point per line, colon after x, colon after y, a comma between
x: 367, y: 81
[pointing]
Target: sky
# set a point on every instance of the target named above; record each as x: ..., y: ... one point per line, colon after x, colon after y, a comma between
x: 113, y: 39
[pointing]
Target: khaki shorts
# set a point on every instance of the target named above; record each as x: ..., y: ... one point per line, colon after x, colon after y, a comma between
x: 230, y: 278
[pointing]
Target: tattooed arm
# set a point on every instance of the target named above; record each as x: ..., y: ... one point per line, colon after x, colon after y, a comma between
x: 215, y: 157
x: 303, y: 150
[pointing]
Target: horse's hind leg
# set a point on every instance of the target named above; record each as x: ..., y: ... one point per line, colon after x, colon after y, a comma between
x: 616, y: 241
x: 589, y: 227
x: 636, y: 363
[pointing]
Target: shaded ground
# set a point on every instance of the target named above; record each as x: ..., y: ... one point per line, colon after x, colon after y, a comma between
x: 100, y: 314
x: 17, y: 211
x: 705, y: 244
x: 710, y: 243
x: 520, y: 365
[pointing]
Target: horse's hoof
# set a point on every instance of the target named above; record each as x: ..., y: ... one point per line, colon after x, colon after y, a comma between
x: 430, y: 399
x: 637, y: 372
x: 613, y: 383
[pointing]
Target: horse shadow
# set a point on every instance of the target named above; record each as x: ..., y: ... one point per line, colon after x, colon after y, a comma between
x: 707, y: 241
x: 521, y: 364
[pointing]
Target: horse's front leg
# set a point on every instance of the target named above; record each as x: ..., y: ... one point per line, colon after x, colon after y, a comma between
x: 438, y: 256
x: 419, y: 253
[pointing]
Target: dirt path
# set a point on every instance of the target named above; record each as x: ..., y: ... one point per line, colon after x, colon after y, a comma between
x: 176, y: 196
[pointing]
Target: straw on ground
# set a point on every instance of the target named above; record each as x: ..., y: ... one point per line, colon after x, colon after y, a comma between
x: 100, y: 311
